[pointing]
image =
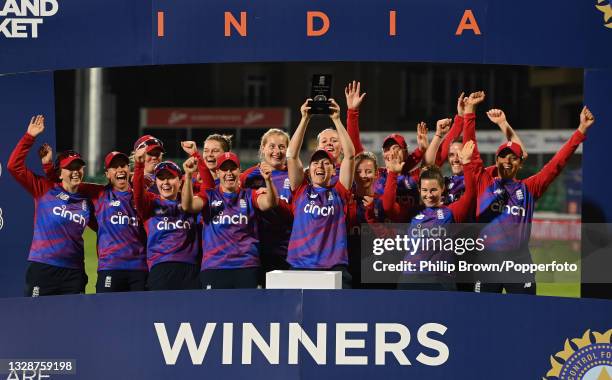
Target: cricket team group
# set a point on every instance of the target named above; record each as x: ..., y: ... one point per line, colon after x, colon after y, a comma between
x: 210, y: 224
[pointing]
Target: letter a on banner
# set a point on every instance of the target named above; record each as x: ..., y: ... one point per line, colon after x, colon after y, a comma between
x: 468, y: 22
x: 310, y: 30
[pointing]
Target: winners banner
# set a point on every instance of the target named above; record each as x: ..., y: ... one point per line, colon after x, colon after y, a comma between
x: 304, y: 335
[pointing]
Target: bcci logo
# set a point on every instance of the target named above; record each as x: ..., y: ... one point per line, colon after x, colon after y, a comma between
x: 586, y: 358
x: 606, y: 9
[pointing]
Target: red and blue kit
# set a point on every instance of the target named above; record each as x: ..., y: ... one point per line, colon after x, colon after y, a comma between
x: 121, y: 237
x: 319, y: 236
x: 274, y: 225
x: 171, y: 232
x: 60, y: 217
x: 230, y: 229
x: 506, y: 206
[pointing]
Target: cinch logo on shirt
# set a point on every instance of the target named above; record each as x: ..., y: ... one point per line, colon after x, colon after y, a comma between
x: 165, y: 225
x: 230, y: 219
x: 512, y: 210
x: 24, y: 17
x: 312, y: 208
x: 66, y: 214
x: 121, y: 219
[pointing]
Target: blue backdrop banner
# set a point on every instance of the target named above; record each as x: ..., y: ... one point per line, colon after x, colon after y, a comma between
x: 302, y: 335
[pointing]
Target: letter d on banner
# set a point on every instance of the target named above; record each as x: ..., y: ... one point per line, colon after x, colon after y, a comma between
x: 310, y: 16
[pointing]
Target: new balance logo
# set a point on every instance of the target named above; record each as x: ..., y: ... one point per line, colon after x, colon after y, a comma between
x: 63, y: 196
x: 216, y: 203
x: 115, y: 203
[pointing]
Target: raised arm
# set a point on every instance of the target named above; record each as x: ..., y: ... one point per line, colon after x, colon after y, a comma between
x: 191, y: 148
x: 463, y: 209
x: 539, y: 182
x: 393, y: 210
x: 189, y: 203
x: 34, y: 184
x: 454, y: 132
x: 347, y: 167
x: 269, y: 198
x: 498, y: 117
x: 142, y: 198
x: 295, y: 167
x: 353, y: 102
x: 442, y: 128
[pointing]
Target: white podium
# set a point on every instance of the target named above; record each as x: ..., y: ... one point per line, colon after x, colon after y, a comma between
x: 303, y: 279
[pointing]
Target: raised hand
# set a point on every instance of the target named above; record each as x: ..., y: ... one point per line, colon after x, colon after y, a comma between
x: 422, y: 140
x: 139, y: 155
x: 393, y: 162
x: 335, y: 110
x: 497, y: 116
x: 586, y: 119
x: 190, y: 166
x: 461, y: 104
x: 37, y: 125
x: 367, y: 201
x: 473, y: 100
x: 189, y: 147
x: 466, y: 152
x: 46, y: 154
x: 265, y: 170
x: 443, y: 126
x: 305, y: 109
x: 353, y: 99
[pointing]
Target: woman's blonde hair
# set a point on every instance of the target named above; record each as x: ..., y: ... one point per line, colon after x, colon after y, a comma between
x: 224, y: 140
x: 266, y: 136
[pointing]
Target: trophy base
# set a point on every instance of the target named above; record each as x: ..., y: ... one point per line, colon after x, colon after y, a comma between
x: 319, y: 107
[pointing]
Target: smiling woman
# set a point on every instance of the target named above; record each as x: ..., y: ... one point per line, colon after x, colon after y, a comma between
x: 61, y: 215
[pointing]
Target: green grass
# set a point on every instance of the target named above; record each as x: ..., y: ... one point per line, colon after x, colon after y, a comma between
x: 91, y: 260
x: 559, y: 285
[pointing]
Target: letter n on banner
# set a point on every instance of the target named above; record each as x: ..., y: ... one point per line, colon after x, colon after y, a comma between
x: 241, y: 27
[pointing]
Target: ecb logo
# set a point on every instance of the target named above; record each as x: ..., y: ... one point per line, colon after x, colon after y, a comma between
x: 585, y: 358
x: 606, y: 9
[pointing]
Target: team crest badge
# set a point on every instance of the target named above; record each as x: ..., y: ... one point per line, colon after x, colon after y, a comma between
x: 519, y: 194
x: 286, y: 184
x: 585, y: 358
x: 1, y: 220
x: 243, y: 203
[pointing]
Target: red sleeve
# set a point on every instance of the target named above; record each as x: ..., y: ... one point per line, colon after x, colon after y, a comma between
x: 483, y: 177
x: 539, y: 182
x: 142, y: 198
x: 50, y: 172
x: 369, y: 213
x: 285, y: 208
x: 412, y: 160
x: 392, y: 208
x: 465, y: 206
x: 208, y: 182
x: 254, y: 196
x: 344, y: 193
x: 452, y: 135
x: 245, y: 174
x: 352, y: 128
x: 34, y: 184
